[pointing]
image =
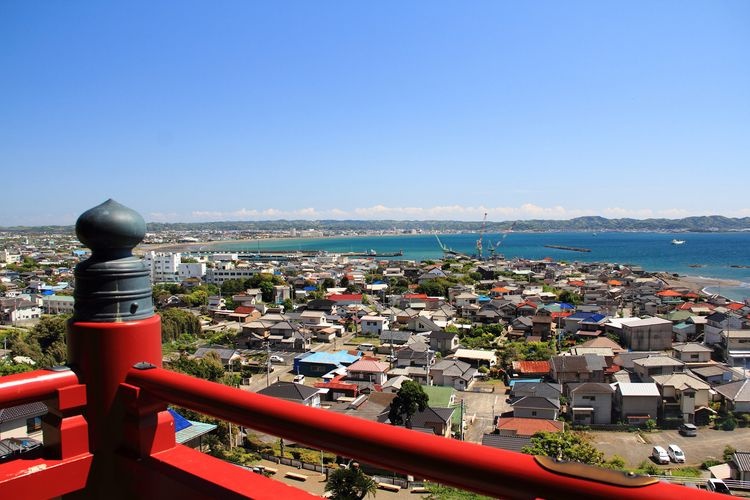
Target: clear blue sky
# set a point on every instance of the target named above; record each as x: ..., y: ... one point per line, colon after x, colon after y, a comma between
x: 198, y: 111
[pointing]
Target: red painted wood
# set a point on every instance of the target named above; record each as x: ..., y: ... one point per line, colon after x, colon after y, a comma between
x: 33, y: 386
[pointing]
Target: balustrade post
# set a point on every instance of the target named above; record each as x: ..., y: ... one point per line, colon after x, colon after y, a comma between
x: 113, y: 327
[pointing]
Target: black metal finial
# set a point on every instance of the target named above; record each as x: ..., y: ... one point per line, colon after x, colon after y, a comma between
x: 112, y: 285
x: 109, y: 227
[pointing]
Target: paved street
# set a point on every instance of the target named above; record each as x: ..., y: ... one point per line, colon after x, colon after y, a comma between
x: 478, y: 411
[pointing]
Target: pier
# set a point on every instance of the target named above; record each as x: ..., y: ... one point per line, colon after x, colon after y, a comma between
x: 571, y: 249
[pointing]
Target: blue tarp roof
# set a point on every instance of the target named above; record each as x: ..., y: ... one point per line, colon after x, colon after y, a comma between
x: 514, y: 381
x: 310, y: 288
x: 330, y: 357
x: 180, y: 422
x: 565, y: 305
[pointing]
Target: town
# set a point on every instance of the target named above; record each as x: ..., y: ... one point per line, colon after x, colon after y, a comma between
x: 643, y: 371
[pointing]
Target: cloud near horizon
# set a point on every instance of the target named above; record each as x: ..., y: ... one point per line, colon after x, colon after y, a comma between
x: 439, y: 212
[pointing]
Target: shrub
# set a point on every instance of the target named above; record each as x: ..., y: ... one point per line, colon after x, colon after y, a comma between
x: 650, y: 424
x: 729, y: 423
x: 710, y: 463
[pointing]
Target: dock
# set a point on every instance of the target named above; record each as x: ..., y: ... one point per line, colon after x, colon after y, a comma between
x: 571, y: 249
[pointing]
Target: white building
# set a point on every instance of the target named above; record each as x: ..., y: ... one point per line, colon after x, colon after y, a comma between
x: 228, y: 271
x: 374, y: 325
x: 163, y: 266
x: 191, y: 270
x: 57, y: 304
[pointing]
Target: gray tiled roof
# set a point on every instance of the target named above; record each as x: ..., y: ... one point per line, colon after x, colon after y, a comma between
x: 25, y: 411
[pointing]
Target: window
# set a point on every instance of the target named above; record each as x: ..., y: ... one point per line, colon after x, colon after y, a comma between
x: 590, y: 398
x: 33, y: 425
x: 533, y: 413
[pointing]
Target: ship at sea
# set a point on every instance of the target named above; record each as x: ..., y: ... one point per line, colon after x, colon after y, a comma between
x: 678, y: 242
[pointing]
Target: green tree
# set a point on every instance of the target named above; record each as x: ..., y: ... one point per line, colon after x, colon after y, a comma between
x: 350, y: 483
x: 571, y: 446
x: 409, y: 399
x: 230, y: 287
x: 177, y: 322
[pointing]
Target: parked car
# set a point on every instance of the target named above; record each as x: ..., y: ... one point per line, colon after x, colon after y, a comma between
x: 299, y: 379
x: 717, y: 486
x: 276, y: 359
x: 675, y: 453
x: 689, y: 430
x: 659, y: 455
x: 366, y: 347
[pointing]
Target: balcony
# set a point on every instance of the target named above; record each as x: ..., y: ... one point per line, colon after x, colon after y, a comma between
x: 108, y: 434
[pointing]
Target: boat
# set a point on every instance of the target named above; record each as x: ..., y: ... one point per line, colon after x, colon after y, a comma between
x: 678, y: 242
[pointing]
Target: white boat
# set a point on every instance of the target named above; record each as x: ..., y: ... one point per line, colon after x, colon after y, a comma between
x: 678, y: 242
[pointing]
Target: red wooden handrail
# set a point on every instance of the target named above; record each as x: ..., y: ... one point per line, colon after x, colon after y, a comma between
x: 478, y: 468
x: 32, y: 386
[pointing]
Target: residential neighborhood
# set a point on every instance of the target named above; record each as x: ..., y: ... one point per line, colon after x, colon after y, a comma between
x: 504, y: 349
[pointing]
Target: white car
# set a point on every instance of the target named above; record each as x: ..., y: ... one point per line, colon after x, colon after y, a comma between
x: 717, y: 486
x: 276, y: 359
x: 299, y: 379
x: 675, y: 454
x: 659, y: 455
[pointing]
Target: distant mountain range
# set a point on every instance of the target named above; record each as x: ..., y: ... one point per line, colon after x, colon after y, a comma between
x: 708, y: 223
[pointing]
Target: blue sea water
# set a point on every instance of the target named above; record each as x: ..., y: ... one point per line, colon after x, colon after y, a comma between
x: 716, y: 253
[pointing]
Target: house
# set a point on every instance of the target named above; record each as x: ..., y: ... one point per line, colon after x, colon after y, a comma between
x: 476, y: 357
x: 736, y: 395
x: 578, y: 369
x: 453, y: 373
x: 317, y: 364
x: 530, y: 369
x: 417, y: 354
x: 542, y: 324
x: 716, y: 323
x: 715, y: 374
x: 394, y: 338
x: 591, y: 403
x: 649, y: 334
x: 636, y: 402
x: 740, y: 466
x: 692, y: 353
x: 367, y: 370
x: 522, y: 389
x: 682, y: 394
x: 444, y: 342
x: 735, y: 347
x: 536, y: 407
x: 22, y: 421
x: 373, y: 325
x: 528, y: 426
x: 435, y: 420
x: 227, y: 356
x: 650, y: 366
x: 15, y: 311
x: 421, y: 323
x: 296, y: 393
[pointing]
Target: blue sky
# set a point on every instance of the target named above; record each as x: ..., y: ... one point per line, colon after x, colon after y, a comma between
x: 200, y: 111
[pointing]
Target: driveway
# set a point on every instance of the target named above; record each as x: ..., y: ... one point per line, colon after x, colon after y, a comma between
x: 636, y: 447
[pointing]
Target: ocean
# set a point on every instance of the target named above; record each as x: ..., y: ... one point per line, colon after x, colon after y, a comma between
x: 713, y: 255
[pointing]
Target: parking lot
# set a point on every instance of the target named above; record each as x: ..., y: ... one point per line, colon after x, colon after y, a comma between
x: 636, y: 447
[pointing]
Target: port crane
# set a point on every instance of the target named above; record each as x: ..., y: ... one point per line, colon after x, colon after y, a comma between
x: 481, y: 234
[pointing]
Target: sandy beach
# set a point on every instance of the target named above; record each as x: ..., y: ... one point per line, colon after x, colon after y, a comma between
x: 698, y: 283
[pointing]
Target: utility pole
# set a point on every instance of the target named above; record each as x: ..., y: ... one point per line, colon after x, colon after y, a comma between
x: 461, y: 432
x: 268, y: 363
